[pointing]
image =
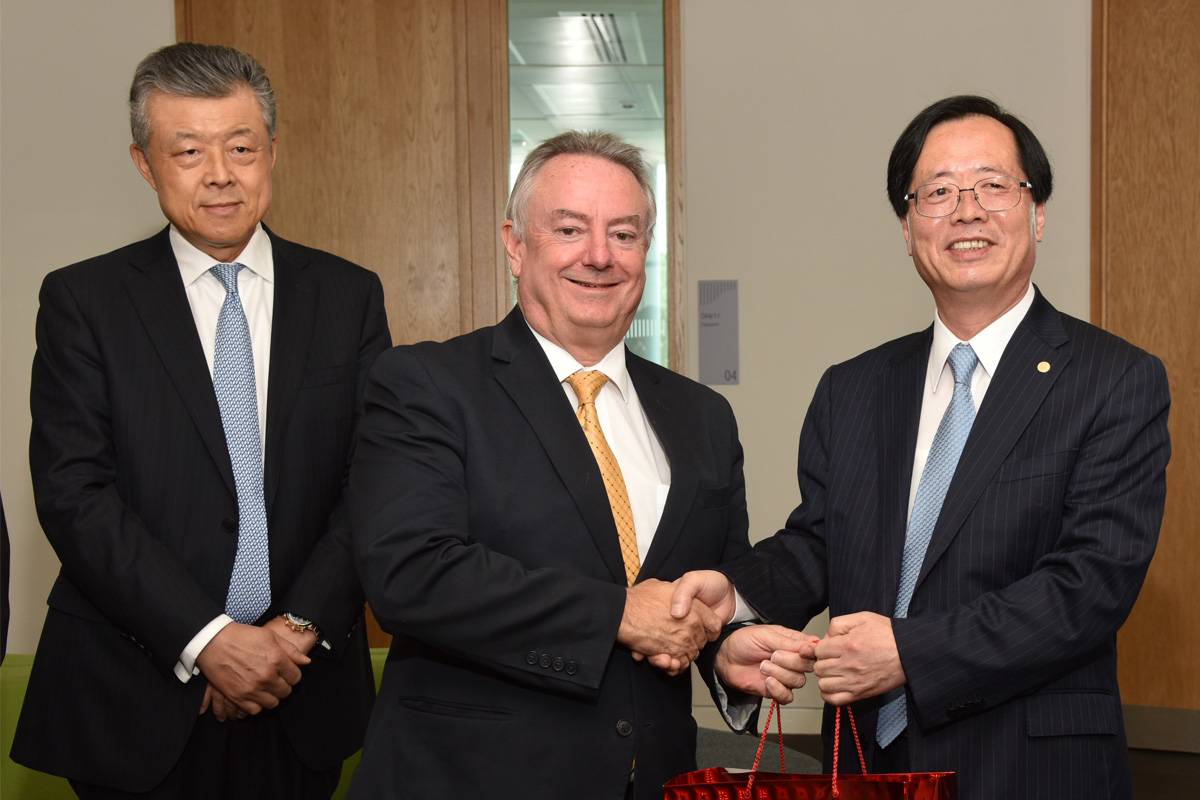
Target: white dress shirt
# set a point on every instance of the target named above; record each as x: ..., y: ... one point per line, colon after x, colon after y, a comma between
x: 643, y: 462
x: 206, y: 295
x: 989, y: 345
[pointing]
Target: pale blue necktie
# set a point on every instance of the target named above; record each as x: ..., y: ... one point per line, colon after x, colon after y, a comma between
x: 233, y: 379
x: 947, y: 446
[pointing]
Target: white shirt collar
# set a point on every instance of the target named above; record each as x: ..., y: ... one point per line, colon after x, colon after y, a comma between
x: 193, y: 263
x: 564, y: 364
x: 988, y: 344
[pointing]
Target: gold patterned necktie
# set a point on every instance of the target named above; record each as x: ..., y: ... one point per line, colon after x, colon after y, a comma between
x: 587, y: 385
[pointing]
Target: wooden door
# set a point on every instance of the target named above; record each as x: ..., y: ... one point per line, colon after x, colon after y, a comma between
x: 393, y: 142
x: 1146, y: 288
x: 392, y: 145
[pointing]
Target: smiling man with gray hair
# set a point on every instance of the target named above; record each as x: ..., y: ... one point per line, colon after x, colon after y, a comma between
x: 519, y: 497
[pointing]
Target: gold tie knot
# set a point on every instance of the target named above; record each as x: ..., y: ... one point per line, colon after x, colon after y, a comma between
x: 587, y: 385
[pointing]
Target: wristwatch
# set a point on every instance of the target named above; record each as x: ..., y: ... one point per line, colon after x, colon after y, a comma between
x: 300, y: 624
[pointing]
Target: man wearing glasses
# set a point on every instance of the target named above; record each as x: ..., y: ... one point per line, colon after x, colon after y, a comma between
x: 981, y: 500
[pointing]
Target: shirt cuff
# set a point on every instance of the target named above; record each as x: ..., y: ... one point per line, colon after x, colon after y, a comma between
x: 186, y: 667
x: 743, y: 612
x: 736, y: 712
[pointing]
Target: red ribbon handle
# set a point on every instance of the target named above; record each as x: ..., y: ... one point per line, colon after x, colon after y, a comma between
x: 837, y: 738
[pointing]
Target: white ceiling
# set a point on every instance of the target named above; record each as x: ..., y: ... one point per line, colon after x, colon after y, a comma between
x: 586, y: 66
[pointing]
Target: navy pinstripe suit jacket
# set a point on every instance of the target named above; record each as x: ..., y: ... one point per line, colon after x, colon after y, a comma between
x: 1042, y: 545
x: 135, y: 491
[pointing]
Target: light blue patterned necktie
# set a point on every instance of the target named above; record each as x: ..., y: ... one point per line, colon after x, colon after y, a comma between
x: 233, y: 379
x: 947, y: 446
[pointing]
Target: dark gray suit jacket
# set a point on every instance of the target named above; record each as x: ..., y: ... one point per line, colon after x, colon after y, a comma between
x: 135, y: 491
x: 1040, y: 550
x: 487, y: 546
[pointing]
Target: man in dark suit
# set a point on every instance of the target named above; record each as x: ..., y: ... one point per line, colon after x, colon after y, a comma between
x: 520, y: 573
x: 204, y: 636
x: 980, y: 501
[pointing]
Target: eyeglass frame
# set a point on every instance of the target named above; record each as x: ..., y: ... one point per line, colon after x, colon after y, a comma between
x: 972, y: 189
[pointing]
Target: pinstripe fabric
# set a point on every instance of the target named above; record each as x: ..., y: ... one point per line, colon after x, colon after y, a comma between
x: 136, y: 493
x: 947, y: 446
x: 1038, y: 555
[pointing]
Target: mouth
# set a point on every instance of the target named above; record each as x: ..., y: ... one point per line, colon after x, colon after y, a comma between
x: 970, y: 244
x: 587, y: 285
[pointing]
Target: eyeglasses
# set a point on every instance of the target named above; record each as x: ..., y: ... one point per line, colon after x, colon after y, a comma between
x: 997, y: 193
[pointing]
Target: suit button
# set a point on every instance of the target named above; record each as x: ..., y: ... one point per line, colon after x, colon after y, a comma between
x: 531, y: 658
x: 624, y: 727
x: 544, y: 663
x: 558, y: 665
x: 572, y: 668
x: 229, y: 525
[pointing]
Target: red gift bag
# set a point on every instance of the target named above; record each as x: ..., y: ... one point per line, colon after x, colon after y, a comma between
x: 718, y: 783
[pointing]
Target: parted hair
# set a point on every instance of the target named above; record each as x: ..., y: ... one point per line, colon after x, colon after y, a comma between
x: 907, y: 149
x: 189, y: 69
x: 600, y: 144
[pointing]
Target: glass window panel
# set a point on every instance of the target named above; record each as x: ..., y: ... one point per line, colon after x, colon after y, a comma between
x: 590, y: 66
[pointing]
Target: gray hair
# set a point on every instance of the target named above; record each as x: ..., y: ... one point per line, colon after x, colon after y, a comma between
x: 189, y: 69
x: 599, y: 144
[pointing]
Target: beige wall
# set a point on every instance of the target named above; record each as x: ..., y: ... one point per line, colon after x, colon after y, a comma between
x: 790, y: 111
x: 68, y: 190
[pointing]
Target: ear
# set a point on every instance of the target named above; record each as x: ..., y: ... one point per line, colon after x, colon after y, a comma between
x: 513, y: 246
x: 143, y: 165
x: 272, y: 153
x: 907, y: 236
x: 1039, y: 219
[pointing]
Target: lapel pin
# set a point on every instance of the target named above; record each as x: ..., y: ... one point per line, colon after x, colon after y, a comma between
x: 1044, y: 366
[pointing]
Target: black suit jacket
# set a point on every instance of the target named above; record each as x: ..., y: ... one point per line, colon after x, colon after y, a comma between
x: 487, y: 546
x: 135, y: 491
x: 1040, y: 550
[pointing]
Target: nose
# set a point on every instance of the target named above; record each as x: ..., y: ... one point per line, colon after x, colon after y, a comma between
x: 219, y: 173
x: 968, y: 211
x: 597, y: 253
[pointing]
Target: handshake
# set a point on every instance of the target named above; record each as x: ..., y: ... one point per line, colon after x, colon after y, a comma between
x: 669, y: 623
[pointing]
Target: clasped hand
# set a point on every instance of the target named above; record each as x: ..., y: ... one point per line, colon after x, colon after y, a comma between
x: 650, y: 629
x: 249, y: 668
x: 858, y: 657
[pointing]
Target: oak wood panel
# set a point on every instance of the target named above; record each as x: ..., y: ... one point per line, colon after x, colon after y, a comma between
x: 392, y: 142
x: 1146, y: 288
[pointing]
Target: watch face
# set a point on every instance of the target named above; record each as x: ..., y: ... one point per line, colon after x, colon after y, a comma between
x: 301, y: 621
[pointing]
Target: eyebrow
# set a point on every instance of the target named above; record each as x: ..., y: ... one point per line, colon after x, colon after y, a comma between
x: 985, y: 170
x: 185, y: 135
x: 566, y: 213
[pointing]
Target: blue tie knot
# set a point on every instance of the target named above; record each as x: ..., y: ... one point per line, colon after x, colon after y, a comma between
x: 962, y: 362
x: 227, y: 275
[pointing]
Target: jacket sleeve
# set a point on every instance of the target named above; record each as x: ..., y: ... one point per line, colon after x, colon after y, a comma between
x: 106, y: 551
x: 327, y: 590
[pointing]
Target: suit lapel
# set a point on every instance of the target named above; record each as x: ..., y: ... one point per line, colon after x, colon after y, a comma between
x: 525, y: 375
x: 293, y: 316
x: 897, y: 417
x: 156, y: 291
x: 668, y: 424
x: 1013, y: 397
